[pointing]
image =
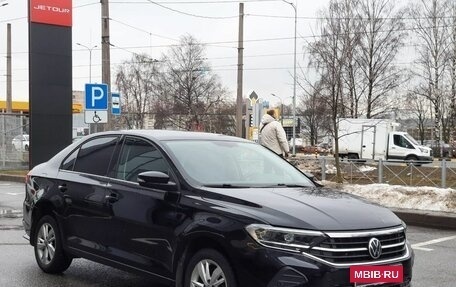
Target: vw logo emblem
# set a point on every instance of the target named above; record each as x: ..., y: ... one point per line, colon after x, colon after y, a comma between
x: 375, y: 248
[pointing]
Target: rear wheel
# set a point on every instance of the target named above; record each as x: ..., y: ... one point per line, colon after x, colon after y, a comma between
x: 49, y: 253
x: 209, y: 268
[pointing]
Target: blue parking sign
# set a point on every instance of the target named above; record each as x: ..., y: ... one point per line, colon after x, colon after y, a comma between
x: 96, y: 97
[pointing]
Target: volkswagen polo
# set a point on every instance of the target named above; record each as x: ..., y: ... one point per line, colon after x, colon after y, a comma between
x: 196, y: 209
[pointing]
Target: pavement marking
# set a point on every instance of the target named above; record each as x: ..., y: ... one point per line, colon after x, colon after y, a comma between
x: 418, y: 246
x: 14, y: 193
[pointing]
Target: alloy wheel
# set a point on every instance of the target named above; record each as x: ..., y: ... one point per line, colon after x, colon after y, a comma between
x: 207, y: 273
x: 46, y: 243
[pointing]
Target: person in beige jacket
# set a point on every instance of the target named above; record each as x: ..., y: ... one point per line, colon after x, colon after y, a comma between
x: 272, y: 135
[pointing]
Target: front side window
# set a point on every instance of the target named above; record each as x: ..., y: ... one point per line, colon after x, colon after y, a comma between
x: 95, y: 155
x: 138, y: 156
x: 400, y: 141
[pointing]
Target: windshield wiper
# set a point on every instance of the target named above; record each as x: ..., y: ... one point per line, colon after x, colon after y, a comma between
x: 226, y: 185
x: 292, y: 185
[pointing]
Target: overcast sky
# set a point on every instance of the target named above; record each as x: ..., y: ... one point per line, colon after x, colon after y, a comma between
x: 141, y: 26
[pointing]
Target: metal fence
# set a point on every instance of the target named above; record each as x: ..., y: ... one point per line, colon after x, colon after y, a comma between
x: 438, y: 173
x: 14, y: 141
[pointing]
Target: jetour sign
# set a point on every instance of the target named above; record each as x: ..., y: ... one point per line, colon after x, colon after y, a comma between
x: 53, y: 12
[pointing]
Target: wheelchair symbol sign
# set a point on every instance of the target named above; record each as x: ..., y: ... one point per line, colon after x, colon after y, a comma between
x: 96, y: 117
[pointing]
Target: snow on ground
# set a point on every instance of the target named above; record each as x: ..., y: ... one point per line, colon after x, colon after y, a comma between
x: 409, y: 197
x: 331, y: 169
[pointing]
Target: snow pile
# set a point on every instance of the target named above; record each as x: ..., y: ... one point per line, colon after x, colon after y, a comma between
x: 408, y: 197
x: 331, y: 168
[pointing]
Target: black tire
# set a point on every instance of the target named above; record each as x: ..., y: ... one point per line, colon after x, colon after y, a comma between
x: 212, y: 257
x: 353, y: 156
x: 26, y: 147
x: 47, y: 238
x: 413, y: 160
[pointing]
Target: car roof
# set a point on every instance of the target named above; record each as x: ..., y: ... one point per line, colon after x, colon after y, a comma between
x: 165, y: 135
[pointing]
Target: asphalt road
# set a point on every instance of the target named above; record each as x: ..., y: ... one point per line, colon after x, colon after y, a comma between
x: 435, y: 253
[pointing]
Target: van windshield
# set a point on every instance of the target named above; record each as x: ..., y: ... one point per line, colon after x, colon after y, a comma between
x: 233, y: 164
x: 411, y: 139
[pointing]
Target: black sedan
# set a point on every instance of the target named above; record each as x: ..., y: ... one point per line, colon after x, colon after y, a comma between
x: 195, y: 209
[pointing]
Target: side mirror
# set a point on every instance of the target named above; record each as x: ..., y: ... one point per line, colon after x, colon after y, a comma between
x: 156, y: 179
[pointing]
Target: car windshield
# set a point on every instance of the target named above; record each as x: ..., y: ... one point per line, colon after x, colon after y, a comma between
x: 233, y: 164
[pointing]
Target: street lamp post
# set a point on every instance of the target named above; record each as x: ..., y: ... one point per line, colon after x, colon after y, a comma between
x: 294, y: 75
x: 90, y: 59
x: 281, y: 108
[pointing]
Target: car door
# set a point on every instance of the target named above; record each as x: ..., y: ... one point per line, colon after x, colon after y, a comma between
x: 399, y: 147
x: 143, y: 222
x: 367, y: 142
x: 82, y: 183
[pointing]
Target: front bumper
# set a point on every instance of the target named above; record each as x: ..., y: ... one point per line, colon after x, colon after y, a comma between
x: 259, y: 266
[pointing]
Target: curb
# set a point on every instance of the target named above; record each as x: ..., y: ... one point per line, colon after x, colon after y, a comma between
x: 442, y: 220
x: 13, y: 178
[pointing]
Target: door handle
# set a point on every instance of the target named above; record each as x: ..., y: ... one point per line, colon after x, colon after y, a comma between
x: 113, y: 197
x: 63, y: 187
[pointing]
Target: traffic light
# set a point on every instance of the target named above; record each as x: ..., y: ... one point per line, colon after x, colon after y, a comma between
x: 251, y: 120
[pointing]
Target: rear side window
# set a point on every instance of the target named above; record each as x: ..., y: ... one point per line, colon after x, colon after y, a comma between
x: 139, y: 156
x: 95, y: 155
x: 68, y: 163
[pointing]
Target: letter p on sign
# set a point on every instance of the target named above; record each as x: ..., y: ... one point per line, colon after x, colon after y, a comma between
x: 96, y: 97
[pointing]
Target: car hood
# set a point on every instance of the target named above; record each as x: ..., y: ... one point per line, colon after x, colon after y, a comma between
x: 307, y: 208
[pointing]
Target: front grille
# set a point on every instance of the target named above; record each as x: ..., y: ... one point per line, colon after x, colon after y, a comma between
x: 349, y: 248
x: 431, y: 152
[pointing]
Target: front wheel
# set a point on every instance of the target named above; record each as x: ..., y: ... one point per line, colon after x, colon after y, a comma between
x: 49, y: 253
x: 209, y: 268
x: 413, y: 160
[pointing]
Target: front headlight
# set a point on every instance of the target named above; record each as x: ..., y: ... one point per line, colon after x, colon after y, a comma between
x: 295, y: 240
x: 423, y: 150
x: 404, y: 225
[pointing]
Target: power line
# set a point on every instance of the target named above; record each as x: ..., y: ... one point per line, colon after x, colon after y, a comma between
x: 160, y: 36
x: 142, y: 30
x: 13, y: 19
x: 190, y: 14
x: 195, y: 2
x: 85, y: 5
x: 347, y: 18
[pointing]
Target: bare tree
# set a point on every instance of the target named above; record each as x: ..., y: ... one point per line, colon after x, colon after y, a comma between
x: 314, y: 112
x: 136, y: 79
x: 419, y: 112
x: 382, y: 36
x: 190, y: 88
x: 352, y: 72
x: 328, y: 55
x: 431, y: 26
x: 452, y: 74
